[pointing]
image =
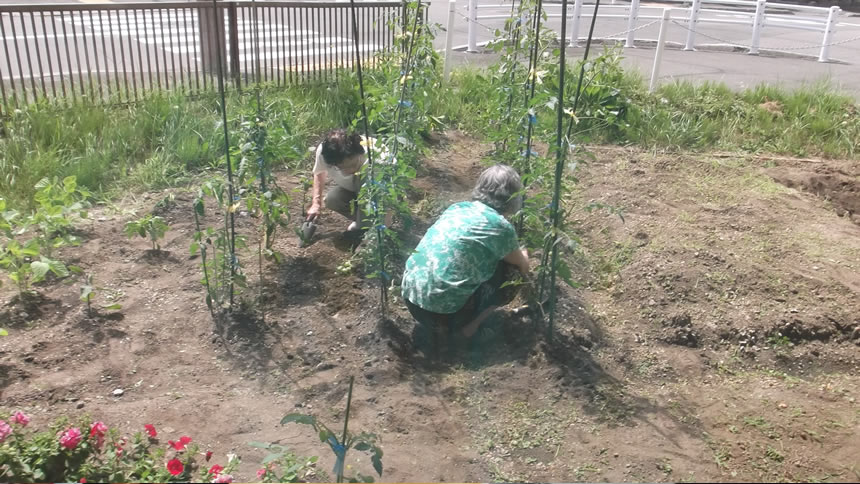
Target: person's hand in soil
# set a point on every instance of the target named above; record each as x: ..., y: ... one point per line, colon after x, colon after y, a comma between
x: 520, y: 259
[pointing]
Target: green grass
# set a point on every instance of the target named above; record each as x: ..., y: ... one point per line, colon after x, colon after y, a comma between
x: 815, y: 120
x: 158, y: 142
x: 165, y: 139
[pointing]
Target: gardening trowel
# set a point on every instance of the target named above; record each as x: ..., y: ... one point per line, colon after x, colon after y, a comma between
x: 309, y: 227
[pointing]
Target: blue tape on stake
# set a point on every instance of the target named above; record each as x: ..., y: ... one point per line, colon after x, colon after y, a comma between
x: 340, y: 454
x: 533, y: 153
x: 385, y: 275
x: 406, y: 104
x: 381, y: 227
x: 532, y: 119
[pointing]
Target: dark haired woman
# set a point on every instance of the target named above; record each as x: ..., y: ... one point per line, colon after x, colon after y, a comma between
x: 341, y: 156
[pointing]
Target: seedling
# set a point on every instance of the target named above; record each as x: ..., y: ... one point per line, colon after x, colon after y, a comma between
x: 88, y: 293
x: 363, y: 442
x: 150, y: 226
x: 281, y: 465
x: 19, y: 262
x: 56, y: 203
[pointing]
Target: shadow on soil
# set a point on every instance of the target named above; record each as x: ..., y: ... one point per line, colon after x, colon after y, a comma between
x: 568, y: 357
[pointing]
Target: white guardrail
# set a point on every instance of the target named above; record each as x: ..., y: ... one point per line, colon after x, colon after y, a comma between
x: 757, y: 14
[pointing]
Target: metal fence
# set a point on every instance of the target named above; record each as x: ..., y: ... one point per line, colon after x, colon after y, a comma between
x: 754, y: 14
x: 116, y: 52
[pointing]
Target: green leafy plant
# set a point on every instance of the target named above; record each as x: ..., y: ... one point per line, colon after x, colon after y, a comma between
x: 281, y: 465
x: 88, y: 293
x: 362, y: 442
x: 23, y: 262
x: 57, y: 202
x: 151, y: 226
x: 222, y: 273
x: 25, y: 266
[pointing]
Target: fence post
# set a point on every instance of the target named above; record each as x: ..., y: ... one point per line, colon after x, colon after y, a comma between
x: 449, y: 39
x: 691, y: 24
x: 212, y: 42
x: 574, y: 30
x: 473, y: 26
x: 829, y: 29
x: 233, y: 23
x: 661, y: 45
x: 758, y: 23
x: 631, y: 22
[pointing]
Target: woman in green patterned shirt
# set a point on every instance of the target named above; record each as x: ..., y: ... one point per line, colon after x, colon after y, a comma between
x: 451, y: 280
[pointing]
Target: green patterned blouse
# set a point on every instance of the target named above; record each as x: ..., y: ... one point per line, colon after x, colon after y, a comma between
x: 457, y: 254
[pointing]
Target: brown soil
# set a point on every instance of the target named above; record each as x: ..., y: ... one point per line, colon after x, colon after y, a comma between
x: 715, y: 338
x: 840, y: 185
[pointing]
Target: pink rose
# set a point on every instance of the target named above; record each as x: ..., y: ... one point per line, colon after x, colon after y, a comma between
x: 71, y: 438
x: 5, y: 430
x: 261, y: 473
x: 21, y: 419
x: 227, y: 478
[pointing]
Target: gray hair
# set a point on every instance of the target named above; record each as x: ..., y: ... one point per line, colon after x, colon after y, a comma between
x: 499, y: 187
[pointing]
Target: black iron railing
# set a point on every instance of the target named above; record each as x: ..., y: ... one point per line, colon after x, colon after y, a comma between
x: 116, y: 52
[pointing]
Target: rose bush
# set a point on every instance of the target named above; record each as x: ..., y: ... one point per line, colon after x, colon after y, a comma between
x: 64, y: 453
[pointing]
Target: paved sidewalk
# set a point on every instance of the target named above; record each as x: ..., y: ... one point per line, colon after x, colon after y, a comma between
x: 736, y: 69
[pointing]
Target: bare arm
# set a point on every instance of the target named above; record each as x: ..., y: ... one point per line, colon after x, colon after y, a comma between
x: 520, y: 259
x: 316, y: 193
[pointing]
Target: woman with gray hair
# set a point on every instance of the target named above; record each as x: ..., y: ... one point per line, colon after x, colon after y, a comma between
x: 452, y: 278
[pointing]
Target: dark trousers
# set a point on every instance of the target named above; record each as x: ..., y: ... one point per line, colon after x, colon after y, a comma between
x: 487, y: 295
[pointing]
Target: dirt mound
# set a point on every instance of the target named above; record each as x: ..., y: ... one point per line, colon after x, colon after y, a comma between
x: 839, y: 187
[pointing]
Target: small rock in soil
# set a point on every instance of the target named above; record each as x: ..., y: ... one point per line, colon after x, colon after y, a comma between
x: 80, y: 405
x: 118, y: 392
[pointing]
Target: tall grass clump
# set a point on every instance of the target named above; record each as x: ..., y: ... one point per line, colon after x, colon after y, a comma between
x: 814, y: 120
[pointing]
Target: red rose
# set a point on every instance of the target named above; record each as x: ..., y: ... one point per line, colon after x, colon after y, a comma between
x: 98, y: 430
x: 175, y: 467
x: 208, y: 455
x: 150, y: 429
x: 215, y: 470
